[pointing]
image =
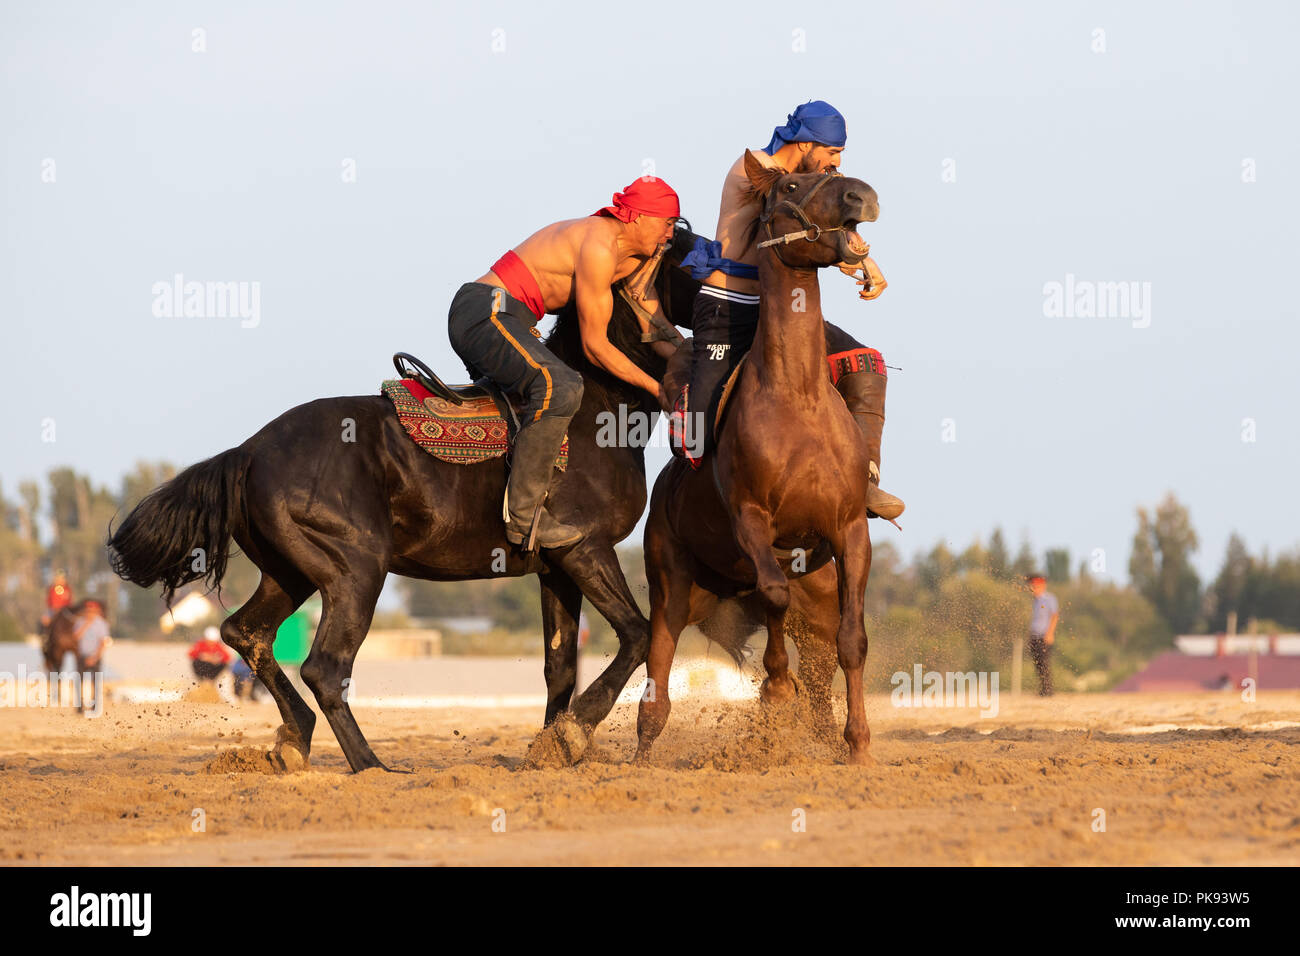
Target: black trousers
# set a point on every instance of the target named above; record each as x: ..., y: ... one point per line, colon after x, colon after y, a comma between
x: 722, y: 332
x: 207, y: 670
x: 491, y: 331
x: 1041, y: 652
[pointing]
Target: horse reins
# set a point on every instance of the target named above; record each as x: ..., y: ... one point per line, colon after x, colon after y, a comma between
x: 811, y: 231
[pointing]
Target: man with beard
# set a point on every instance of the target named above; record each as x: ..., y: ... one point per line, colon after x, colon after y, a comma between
x: 726, y: 310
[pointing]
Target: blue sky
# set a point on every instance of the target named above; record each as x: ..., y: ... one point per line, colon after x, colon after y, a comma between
x: 1112, y: 157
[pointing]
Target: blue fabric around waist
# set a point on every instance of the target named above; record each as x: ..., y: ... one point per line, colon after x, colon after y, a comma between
x: 706, y: 258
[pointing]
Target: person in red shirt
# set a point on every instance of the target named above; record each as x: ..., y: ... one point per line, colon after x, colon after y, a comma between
x: 57, y: 598
x: 209, y: 656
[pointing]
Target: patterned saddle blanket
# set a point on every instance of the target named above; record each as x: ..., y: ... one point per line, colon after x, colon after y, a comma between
x: 462, y: 434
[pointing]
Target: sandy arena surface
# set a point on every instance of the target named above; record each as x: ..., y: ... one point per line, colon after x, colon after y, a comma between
x: 724, y: 786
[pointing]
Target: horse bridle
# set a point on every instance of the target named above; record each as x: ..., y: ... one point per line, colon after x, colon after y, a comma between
x: 811, y: 231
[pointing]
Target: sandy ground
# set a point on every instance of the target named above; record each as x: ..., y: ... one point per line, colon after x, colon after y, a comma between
x: 729, y: 783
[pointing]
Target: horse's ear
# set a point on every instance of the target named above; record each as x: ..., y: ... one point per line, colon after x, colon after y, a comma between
x: 761, y: 177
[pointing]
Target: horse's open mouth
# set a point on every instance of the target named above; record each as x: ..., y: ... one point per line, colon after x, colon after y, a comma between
x: 855, y: 243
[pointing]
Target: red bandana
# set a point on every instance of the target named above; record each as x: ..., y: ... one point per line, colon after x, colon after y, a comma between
x: 646, y: 195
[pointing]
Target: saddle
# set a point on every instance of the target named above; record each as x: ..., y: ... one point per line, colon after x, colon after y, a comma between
x: 462, y: 424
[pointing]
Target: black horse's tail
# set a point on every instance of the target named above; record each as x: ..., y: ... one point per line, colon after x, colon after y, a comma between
x: 181, y: 531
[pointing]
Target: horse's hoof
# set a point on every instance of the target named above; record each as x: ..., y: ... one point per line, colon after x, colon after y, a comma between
x: 562, y: 744
x: 289, y: 754
x: 861, y: 758
x: 778, y: 692
x: 290, y: 758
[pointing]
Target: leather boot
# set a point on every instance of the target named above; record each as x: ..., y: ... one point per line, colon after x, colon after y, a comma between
x: 864, y: 393
x: 531, y: 465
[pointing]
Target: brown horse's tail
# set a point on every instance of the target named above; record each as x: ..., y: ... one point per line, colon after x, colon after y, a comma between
x: 728, y: 627
x: 181, y: 531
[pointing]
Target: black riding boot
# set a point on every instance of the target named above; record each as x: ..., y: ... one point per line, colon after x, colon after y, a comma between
x: 531, y: 465
x: 864, y: 393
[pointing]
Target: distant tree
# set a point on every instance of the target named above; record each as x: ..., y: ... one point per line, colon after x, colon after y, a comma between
x: 974, y: 558
x: 999, y: 558
x: 80, y: 514
x: 1229, y: 592
x: 1160, y: 565
x: 1025, y: 562
x: 1274, y: 590
x: 142, y: 479
x: 936, y: 567
x: 892, y: 582
x: 1058, y: 564
x: 20, y: 558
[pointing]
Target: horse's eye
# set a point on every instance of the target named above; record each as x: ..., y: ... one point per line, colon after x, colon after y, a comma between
x: 791, y: 187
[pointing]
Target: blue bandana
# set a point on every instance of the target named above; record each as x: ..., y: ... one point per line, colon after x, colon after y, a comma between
x: 814, y: 122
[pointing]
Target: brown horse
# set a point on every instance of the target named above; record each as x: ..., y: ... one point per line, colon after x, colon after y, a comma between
x: 58, y: 641
x: 772, y: 501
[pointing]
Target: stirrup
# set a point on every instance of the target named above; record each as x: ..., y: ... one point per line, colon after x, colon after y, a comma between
x: 528, y: 540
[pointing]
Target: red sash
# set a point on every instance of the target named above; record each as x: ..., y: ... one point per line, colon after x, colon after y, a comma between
x: 520, y: 283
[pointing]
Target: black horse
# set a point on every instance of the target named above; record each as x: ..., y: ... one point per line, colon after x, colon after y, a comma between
x: 333, y: 495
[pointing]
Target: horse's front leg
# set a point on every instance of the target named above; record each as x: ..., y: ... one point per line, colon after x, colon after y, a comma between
x: 754, y: 535
x: 853, y: 564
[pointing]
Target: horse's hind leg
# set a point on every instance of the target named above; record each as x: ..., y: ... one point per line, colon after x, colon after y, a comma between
x: 668, y: 571
x: 561, y: 605
x: 251, y: 632
x: 596, y: 570
x: 753, y: 530
x: 348, y: 604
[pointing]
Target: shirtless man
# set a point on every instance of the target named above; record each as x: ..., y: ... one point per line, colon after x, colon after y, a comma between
x: 726, y: 309
x: 492, y: 322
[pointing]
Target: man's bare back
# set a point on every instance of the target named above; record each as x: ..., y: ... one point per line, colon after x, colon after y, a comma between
x: 579, y: 260
x: 555, y: 254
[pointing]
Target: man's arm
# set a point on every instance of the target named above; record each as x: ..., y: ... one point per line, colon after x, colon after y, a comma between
x: 873, y: 280
x: 593, y: 277
x: 1050, y: 636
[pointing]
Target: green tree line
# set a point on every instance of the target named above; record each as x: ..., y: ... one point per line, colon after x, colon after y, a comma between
x: 941, y: 608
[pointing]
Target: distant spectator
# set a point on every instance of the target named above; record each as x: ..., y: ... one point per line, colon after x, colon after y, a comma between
x: 245, y: 679
x: 93, y: 639
x: 209, y: 656
x: 1042, y: 631
x: 92, y: 636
